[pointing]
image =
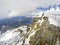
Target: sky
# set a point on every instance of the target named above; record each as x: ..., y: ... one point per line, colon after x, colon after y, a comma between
x: 11, y: 8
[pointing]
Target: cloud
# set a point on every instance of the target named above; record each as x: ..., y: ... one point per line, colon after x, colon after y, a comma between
x: 13, y: 13
x: 22, y: 6
x: 53, y: 14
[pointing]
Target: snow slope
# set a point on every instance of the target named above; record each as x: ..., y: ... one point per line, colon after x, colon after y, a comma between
x: 10, y: 37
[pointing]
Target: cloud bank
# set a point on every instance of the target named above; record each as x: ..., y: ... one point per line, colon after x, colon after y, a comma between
x: 18, y: 7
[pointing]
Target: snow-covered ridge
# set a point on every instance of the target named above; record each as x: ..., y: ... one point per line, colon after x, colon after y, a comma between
x: 12, y: 35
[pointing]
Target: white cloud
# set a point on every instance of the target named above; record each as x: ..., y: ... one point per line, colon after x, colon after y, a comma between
x: 53, y: 11
x: 22, y: 6
x: 13, y: 13
x: 53, y: 15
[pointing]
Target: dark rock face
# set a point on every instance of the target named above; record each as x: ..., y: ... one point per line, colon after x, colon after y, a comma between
x: 46, y: 34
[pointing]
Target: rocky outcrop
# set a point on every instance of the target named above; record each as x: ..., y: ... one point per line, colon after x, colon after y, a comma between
x: 46, y: 34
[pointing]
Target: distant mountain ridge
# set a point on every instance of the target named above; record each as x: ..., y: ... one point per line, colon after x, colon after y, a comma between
x: 48, y: 7
x: 16, y: 21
